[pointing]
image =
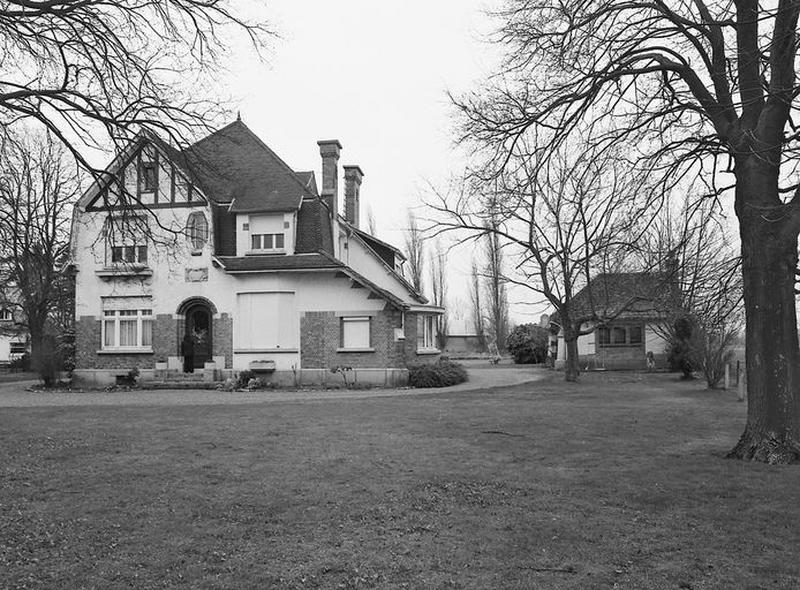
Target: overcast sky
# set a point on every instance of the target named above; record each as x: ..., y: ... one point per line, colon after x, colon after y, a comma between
x: 374, y: 75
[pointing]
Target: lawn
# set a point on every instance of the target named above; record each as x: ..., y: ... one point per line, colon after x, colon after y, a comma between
x: 616, y: 482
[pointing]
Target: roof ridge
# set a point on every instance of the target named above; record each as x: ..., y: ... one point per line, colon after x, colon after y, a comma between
x: 270, y: 152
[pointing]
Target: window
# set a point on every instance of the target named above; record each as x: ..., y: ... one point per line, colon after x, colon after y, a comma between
x: 6, y: 315
x: 355, y: 333
x: 426, y: 332
x: 129, y: 254
x: 266, y: 321
x: 124, y: 238
x: 197, y: 230
x: 18, y: 348
x: 267, y: 241
x: 620, y: 336
x: 127, y: 329
x: 148, y: 177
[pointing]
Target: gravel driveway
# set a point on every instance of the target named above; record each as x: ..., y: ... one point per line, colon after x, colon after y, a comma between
x: 481, y: 376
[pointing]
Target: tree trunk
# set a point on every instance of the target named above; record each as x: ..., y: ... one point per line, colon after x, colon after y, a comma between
x: 769, y: 260
x: 571, y: 366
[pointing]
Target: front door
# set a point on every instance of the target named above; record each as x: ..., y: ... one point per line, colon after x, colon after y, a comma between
x: 198, y: 326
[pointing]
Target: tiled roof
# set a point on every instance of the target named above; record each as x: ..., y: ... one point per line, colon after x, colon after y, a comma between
x: 627, y: 294
x: 278, y: 262
x: 309, y: 180
x: 233, y: 164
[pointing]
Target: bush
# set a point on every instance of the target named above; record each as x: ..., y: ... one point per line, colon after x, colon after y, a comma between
x: 243, y: 379
x: 441, y: 374
x: 527, y: 343
x: 49, y: 361
x: 679, y: 352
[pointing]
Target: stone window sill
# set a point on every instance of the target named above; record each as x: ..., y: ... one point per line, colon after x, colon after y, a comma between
x: 366, y: 349
x: 125, y: 351
x: 123, y: 271
x: 264, y: 350
x: 422, y: 351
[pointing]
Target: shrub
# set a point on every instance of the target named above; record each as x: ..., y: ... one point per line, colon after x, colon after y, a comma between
x: 48, y: 362
x: 441, y: 374
x: 243, y: 379
x: 679, y: 352
x: 527, y: 343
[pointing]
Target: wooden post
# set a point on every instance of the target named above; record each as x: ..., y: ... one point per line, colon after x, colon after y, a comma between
x: 727, y: 376
x: 742, y: 389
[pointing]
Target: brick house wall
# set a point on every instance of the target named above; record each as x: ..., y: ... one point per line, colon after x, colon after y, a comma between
x: 87, y: 343
x: 222, y: 345
x: 320, y: 335
x: 167, y: 335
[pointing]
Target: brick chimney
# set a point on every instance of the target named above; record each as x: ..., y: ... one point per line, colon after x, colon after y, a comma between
x: 352, y: 190
x: 330, y: 149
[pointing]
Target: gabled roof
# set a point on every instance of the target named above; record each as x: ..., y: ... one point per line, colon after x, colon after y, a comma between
x: 624, y: 294
x: 381, y: 248
x: 234, y: 166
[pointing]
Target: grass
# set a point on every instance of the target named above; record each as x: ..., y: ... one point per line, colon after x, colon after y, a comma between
x: 617, y: 482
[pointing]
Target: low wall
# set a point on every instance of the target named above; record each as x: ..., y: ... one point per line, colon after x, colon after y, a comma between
x: 302, y: 378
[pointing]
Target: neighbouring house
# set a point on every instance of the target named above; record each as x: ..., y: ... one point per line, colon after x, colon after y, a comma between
x: 634, y: 308
x: 13, y: 336
x: 462, y: 337
x: 225, y: 245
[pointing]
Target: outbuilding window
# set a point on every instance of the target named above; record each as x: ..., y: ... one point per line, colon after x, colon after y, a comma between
x: 620, y: 336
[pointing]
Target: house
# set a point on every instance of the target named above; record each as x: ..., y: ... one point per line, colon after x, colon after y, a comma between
x: 631, y: 311
x: 224, y: 243
x: 13, y: 336
x: 462, y: 337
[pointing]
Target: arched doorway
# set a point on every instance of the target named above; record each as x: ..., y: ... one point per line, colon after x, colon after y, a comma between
x: 199, y: 326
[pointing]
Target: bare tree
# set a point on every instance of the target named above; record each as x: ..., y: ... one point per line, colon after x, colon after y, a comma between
x: 476, y: 305
x: 39, y: 183
x: 96, y: 71
x: 495, y: 284
x: 439, y: 291
x: 415, y: 252
x: 372, y: 225
x: 690, y: 243
x: 563, y: 223
x: 700, y: 88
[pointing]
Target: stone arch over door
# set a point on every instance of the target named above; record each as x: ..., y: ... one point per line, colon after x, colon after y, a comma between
x: 197, y: 314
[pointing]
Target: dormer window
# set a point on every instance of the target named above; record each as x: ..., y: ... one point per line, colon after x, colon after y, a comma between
x: 197, y: 230
x: 267, y: 242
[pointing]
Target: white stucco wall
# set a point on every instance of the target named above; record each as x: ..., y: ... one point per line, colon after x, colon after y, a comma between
x: 358, y: 256
x: 653, y: 342
x: 586, y: 345
x: 265, y: 224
